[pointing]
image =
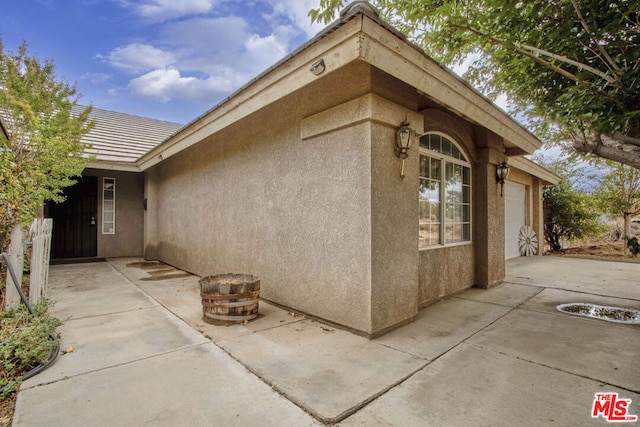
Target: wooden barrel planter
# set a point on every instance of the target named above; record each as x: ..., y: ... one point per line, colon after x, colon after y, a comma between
x: 229, y: 298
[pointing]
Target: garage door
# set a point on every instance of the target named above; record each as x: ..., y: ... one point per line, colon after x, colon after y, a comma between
x: 514, y: 217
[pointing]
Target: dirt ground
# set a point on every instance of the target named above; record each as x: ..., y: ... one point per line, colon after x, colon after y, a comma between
x: 596, y: 249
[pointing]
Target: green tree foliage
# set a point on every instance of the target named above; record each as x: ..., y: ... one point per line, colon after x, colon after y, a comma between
x: 568, y: 215
x: 40, y: 148
x: 619, y: 194
x: 572, y: 67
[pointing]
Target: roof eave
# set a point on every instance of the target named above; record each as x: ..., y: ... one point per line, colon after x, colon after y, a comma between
x: 532, y: 168
x: 407, y: 62
x: 113, y: 166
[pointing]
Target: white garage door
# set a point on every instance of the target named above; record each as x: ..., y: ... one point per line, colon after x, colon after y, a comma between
x: 514, y: 217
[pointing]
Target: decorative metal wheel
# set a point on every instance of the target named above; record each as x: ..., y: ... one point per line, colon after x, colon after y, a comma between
x: 527, y: 241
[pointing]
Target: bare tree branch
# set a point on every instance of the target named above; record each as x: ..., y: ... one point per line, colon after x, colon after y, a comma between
x: 611, y: 80
x: 537, y: 60
x: 608, y: 58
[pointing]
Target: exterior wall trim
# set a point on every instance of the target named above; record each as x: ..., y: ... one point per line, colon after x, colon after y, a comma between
x: 367, y: 108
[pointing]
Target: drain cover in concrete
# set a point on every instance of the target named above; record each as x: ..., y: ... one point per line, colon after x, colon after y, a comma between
x: 610, y: 314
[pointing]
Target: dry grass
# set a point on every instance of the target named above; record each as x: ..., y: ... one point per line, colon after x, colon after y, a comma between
x: 6, y: 410
x: 7, y: 405
x: 601, y: 249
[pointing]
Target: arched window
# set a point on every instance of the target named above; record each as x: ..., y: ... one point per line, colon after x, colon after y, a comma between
x: 445, y: 193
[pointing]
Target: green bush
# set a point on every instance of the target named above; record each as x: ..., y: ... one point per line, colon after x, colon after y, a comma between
x: 24, y: 342
x: 569, y: 214
x: 634, y: 246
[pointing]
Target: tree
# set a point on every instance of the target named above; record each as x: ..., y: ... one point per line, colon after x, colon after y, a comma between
x: 571, y: 67
x: 619, y: 195
x: 568, y: 215
x: 40, y: 147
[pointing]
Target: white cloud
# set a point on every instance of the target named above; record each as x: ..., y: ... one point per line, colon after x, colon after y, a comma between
x: 206, y: 34
x: 163, y: 10
x: 206, y: 57
x: 167, y: 84
x: 297, y: 11
x: 136, y: 58
x: 263, y: 52
x: 205, y: 44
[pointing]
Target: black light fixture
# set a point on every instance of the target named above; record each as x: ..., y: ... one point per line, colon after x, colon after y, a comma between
x: 502, y: 172
x: 404, y: 138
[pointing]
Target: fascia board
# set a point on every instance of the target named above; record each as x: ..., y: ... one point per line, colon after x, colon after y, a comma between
x: 534, y: 169
x: 113, y: 166
x: 396, y: 57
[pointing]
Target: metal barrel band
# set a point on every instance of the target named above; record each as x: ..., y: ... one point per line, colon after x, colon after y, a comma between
x: 228, y: 304
x: 218, y: 297
x: 232, y: 318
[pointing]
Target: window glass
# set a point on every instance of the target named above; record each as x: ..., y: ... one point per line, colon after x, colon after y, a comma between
x: 430, y: 200
x: 108, y: 205
x: 445, y: 193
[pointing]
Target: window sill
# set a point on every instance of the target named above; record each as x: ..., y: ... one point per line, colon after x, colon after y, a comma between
x: 449, y: 245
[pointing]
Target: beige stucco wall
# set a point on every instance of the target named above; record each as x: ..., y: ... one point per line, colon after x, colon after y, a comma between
x: 256, y: 198
x: 294, y: 215
x: 488, y: 222
x: 446, y: 270
x: 307, y: 195
x: 128, y: 237
x: 394, y: 244
x: 307, y: 198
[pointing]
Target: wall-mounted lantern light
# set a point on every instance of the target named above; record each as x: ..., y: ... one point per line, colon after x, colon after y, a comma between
x: 404, y: 138
x: 502, y: 172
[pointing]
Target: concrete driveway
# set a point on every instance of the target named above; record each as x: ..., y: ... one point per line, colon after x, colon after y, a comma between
x: 499, y: 357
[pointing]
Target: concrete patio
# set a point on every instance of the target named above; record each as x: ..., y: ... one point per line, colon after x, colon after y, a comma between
x: 504, y: 356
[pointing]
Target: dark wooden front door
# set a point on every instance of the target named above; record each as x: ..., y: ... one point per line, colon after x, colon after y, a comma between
x: 75, y: 221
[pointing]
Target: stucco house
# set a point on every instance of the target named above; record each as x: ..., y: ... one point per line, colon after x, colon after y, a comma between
x: 85, y: 224
x: 296, y: 178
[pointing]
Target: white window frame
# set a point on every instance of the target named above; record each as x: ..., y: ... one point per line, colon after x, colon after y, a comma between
x: 106, y: 229
x: 443, y: 220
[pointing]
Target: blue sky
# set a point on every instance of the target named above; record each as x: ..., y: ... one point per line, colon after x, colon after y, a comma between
x: 167, y: 59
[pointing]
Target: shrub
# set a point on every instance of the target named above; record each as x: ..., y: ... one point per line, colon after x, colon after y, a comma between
x: 24, y: 343
x: 634, y: 246
x: 568, y: 214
